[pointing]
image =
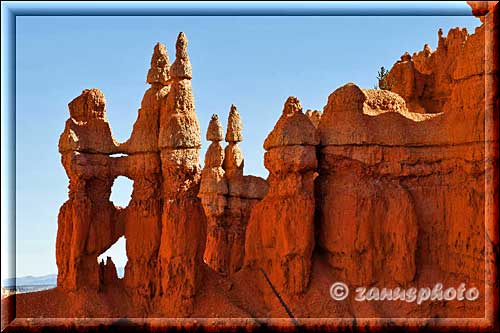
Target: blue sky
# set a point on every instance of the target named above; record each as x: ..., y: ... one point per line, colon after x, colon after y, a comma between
x: 253, y: 62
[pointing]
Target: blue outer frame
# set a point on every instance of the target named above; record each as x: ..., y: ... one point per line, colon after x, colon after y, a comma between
x: 241, y: 8
x: 10, y: 10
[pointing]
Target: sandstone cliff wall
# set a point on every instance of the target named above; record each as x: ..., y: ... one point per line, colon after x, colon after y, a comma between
x: 404, y: 177
x: 383, y: 187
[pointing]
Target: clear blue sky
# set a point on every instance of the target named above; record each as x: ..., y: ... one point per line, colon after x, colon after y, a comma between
x: 253, y: 62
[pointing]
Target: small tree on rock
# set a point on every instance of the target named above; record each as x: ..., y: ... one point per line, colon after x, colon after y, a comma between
x: 383, y: 82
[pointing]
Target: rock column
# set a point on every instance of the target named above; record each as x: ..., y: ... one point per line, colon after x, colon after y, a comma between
x: 143, y: 214
x: 237, y: 203
x: 280, y: 233
x: 233, y: 161
x: 183, y: 221
x: 213, y: 194
x: 227, y: 196
x: 87, y: 224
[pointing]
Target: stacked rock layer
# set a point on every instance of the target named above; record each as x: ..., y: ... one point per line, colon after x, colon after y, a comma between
x: 383, y: 187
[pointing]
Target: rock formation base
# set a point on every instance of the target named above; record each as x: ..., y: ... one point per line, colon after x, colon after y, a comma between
x: 383, y: 188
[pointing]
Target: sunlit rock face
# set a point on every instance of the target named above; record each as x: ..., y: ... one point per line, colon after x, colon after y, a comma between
x: 280, y: 235
x: 402, y: 172
x: 164, y: 222
x: 227, y: 196
x: 383, y: 187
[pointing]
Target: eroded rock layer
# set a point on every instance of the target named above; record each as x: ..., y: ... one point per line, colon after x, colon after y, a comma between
x: 404, y: 177
x: 164, y: 222
x: 383, y: 187
x: 183, y: 221
x: 228, y: 196
x: 280, y: 235
x: 88, y: 222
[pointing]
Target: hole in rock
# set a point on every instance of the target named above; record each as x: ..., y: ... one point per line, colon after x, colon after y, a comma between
x: 121, y: 191
x: 118, y: 254
x: 118, y: 155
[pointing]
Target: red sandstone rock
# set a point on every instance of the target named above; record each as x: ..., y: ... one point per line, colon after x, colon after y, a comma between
x: 427, y: 80
x: 388, y: 185
x: 214, y: 131
x: 181, y: 68
x: 213, y: 193
x: 280, y: 233
x: 160, y: 65
x: 227, y: 196
x: 143, y: 214
x: 244, y: 192
x: 293, y: 128
x: 144, y: 138
x: 87, y: 130
x: 234, y: 126
x: 183, y: 222
x: 108, y: 274
x: 368, y: 226
x: 170, y: 176
x: 314, y: 117
x: 233, y: 160
x: 375, y: 149
x: 482, y: 8
x: 80, y: 238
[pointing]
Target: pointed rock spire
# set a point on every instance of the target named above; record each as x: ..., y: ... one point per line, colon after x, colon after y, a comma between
x: 213, y: 192
x: 160, y: 65
x: 292, y: 163
x: 314, y: 116
x: 293, y: 128
x: 214, y: 156
x: 181, y: 68
x: 406, y: 57
x: 179, y: 127
x: 441, y: 39
x: 427, y: 50
x: 234, y: 126
x: 214, y: 132
x: 292, y: 106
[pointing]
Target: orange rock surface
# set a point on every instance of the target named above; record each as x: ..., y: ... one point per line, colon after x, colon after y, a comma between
x: 227, y: 196
x: 280, y: 235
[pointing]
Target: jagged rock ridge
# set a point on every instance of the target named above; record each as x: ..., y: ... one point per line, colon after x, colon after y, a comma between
x: 381, y: 187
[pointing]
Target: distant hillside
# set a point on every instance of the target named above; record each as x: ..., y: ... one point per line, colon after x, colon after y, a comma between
x: 45, y: 280
x: 30, y: 280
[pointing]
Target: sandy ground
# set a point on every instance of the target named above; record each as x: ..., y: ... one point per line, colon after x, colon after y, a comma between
x: 244, y: 299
